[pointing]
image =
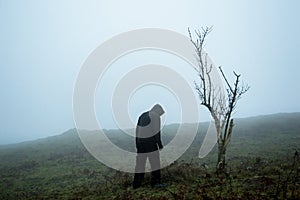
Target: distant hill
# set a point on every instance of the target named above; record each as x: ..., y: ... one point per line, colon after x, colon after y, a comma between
x: 60, y: 164
x: 281, y: 128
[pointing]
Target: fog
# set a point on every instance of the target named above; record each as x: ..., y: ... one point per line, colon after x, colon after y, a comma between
x: 45, y: 43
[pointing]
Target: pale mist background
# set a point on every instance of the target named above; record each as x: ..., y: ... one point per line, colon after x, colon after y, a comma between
x: 44, y: 43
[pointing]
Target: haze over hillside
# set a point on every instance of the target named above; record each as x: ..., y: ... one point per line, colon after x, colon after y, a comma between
x: 256, y: 126
x: 288, y: 121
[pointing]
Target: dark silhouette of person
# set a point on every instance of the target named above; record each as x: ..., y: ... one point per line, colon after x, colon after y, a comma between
x: 148, y: 142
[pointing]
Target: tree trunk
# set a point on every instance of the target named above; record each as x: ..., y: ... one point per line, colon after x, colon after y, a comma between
x: 221, y: 158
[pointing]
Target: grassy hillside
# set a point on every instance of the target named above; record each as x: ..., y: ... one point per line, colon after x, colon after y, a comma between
x: 262, y: 163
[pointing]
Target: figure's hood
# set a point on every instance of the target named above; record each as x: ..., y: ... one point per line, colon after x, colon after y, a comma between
x: 158, y: 109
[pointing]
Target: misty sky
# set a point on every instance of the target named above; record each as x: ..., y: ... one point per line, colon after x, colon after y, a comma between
x: 44, y: 43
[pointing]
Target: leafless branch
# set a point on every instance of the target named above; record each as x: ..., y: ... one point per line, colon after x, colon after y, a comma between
x: 220, y: 105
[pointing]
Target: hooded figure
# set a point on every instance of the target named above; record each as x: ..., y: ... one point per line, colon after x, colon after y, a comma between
x: 148, y: 141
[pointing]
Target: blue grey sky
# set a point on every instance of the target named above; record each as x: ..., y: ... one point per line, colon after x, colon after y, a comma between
x: 44, y: 43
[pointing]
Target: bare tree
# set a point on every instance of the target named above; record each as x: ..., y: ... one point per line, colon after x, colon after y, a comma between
x: 219, y: 104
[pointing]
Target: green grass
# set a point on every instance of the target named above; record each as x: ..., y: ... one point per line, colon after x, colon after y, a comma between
x: 260, y: 165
